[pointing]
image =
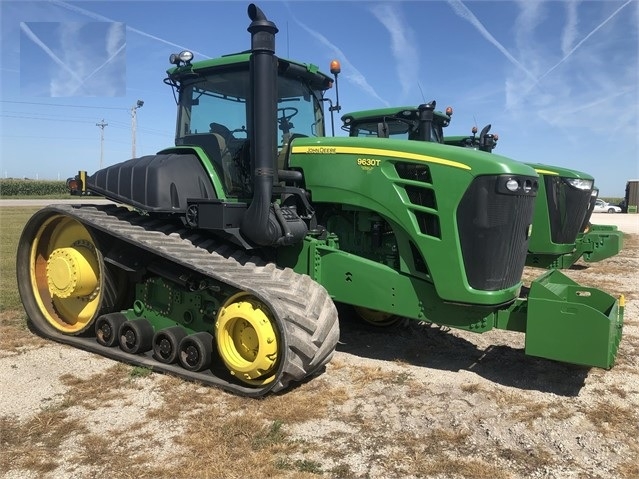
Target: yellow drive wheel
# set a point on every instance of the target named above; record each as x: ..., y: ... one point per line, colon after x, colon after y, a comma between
x: 65, y: 274
x: 376, y: 318
x: 247, y: 340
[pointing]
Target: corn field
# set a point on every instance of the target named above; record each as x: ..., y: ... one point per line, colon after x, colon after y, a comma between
x: 13, y: 187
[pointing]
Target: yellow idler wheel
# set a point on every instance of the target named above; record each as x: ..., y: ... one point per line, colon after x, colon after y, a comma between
x: 247, y: 340
x: 376, y: 318
x: 65, y: 274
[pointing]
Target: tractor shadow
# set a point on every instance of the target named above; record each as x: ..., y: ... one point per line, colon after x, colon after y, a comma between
x: 579, y: 267
x: 429, y: 346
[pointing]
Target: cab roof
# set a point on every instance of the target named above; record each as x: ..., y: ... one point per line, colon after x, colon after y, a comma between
x: 408, y: 112
x: 310, y: 72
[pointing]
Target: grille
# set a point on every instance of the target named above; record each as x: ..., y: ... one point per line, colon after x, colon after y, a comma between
x: 414, y: 171
x: 494, y: 226
x: 591, y: 207
x: 421, y: 196
x: 428, y: 223
x: 567, y: 209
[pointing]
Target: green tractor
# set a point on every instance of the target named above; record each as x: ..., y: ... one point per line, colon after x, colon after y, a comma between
x: 224, y: 255
x: 561, y: 232
x: 556, y: 241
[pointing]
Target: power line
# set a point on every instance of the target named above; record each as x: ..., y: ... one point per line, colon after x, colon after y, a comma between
x: 45, y: 119
x: 64, y: 105
x: 148, y: 131
x: 53, y: 116
x: 47, y: 137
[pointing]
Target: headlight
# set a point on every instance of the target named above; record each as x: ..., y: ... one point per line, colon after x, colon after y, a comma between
x: 579, y: 183
x: 182, y: 57
x: 512, y: 184
x: 517, y: 185
x: 186, y: 56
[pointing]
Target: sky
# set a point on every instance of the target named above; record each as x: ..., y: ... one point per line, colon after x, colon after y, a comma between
x: 557, y: 80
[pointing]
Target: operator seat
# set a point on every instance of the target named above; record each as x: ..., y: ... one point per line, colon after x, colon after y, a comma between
x: 208, y: 142
x: 214, y: 145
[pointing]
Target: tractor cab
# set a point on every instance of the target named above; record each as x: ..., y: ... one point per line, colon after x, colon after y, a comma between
x: 486, y: 141
x: 214, y: 111
x: 402, y: 123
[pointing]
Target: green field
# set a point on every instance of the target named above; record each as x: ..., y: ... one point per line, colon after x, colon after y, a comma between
x: 12, y: 220
x: 15, y: 188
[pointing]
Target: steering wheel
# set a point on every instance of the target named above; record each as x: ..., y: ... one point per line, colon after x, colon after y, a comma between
x: 237, y: 130
x: 284, y: 120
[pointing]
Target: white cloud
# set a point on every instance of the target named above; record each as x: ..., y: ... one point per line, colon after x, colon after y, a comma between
x: 79, y: 51
x: 116, y: 38
x: 570, y: 32
x: 102, y: 18
x: 403, y: 45
x: 70, y: 73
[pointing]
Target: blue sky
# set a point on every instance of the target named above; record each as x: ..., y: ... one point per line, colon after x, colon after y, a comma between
x: 558, y: 80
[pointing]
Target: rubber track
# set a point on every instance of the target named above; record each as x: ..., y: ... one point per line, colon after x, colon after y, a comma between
x: 300, y: 305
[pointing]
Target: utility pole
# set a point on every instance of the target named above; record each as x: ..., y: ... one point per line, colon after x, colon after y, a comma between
x: 134, y: 109
x: 101, y: 125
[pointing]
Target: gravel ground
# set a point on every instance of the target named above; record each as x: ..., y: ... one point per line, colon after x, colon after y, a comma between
x: 626, y: 223
x: 403, y: 400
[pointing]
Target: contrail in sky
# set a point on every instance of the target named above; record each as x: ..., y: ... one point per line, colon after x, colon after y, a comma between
x: 353, y: 73
x: 463, y: 11
x: 34, y: 38
x: 572, y: 50
x: 101, y: 66
x: 102, y: 18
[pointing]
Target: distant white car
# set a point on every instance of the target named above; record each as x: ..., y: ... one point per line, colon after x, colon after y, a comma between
x: 602, y: 207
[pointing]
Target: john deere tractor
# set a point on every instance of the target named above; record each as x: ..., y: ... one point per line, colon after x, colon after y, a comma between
x: 561, y: 232
x: 225, y: 253
x: 559, y: 239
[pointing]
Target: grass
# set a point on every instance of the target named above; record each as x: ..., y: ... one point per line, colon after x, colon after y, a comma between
x: 12, y: 220
x: 61, y: 196
x: 33, y: 445
x: 610, y: 418
x: 12, y: 318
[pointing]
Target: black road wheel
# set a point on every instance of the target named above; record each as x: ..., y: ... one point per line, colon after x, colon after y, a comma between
x: 166, y: 344
x: 107, y: 328
x: 195, y: 351
x: 136, y: 336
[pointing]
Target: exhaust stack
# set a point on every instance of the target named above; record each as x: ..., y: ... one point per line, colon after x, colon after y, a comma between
x: 266, y: 223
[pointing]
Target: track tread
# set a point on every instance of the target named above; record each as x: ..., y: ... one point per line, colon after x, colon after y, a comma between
x: 304, y: 307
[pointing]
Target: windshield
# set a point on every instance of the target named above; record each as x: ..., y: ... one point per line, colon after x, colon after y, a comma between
x: 396, y: 129
x: 213, y: 114
x: 390, y: 128
x: 218, y: 104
